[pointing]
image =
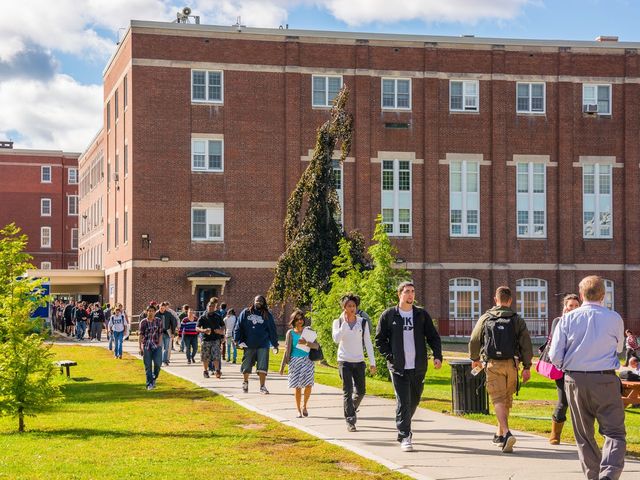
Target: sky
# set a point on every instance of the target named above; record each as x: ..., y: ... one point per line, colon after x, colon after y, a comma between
x: 53, y: 52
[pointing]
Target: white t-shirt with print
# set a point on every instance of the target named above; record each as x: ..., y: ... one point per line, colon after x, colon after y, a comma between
x: 408, y: 340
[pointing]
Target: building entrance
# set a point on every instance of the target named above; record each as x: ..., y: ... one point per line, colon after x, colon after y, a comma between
x: 203, y: 294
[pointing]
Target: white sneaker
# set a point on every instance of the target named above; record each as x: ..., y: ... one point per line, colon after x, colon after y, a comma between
x: 406, y: 445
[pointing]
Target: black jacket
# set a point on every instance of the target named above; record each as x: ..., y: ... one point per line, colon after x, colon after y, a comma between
x: 390, y: 341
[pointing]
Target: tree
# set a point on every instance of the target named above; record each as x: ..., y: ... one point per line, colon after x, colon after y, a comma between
x: 376, y: 288
x: 27, y: 375
x: 311, y: 230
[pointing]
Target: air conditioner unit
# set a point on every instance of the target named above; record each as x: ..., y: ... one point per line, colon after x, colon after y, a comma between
x: 590, y: 108
x: 116, y: 177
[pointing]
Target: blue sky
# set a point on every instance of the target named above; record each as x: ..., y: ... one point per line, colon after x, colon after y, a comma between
x: 51, y: 62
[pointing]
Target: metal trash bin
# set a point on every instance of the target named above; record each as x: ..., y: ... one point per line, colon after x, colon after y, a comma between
x: 468, y: 392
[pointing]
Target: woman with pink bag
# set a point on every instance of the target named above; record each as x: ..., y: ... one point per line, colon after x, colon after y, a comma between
x: 544, y: 367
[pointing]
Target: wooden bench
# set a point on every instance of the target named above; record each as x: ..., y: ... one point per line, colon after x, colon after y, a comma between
x: 630, y: 393
x: 66, y: 364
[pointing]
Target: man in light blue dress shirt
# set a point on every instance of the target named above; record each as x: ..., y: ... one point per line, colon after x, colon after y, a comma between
x: 585, y: 345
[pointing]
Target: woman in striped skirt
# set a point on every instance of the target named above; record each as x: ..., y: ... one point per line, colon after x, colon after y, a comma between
x: 301, y: 368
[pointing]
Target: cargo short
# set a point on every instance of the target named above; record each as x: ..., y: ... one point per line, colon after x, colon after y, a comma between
x: 210, y: 350
x: 502, y: 381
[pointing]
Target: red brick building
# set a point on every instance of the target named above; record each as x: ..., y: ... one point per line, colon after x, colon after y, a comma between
x: 39, y: 192
x: 493, y: 161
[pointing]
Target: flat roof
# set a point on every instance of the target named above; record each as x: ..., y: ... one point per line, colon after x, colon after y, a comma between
x: 38, y: 153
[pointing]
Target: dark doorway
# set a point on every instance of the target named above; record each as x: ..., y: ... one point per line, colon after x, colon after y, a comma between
x: 203, y: 294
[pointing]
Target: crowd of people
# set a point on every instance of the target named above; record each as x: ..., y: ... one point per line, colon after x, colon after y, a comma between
x: 583, y: 346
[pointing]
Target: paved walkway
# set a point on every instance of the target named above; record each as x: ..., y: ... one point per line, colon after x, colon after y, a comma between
x: 445, y: 447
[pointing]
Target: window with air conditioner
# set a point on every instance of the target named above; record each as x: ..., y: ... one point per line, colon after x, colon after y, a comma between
x: 596, y: 98
x: 464, y: 96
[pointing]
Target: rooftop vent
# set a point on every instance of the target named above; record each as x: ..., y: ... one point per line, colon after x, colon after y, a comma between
x: 6, y: 144
x: 607, y: 38
x: 184, y: 16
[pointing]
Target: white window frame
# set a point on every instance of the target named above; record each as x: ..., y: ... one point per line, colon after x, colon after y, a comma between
x: 43, y: 202
x: 467, y: 198
x: 459, y: 285
x: 596, y: 86
x: 537, y: 325
x: 72, y: 176
x: 598, y: 200
x: 338, y: 168
x: 206, y: 87
x: 327, y: 102
x: 609, y: 297
x: 214, y: 215
x: 206, y: 154
x: 46, y: 168
x: 530, y: 109
x: 530, y: 198
x: 465, y: 95
x: 74, y: 245
x: 45, y: 237
x: 45, y: 265
x: 72, y: 266
x: 125, y: 227
x: 396, y: 196
x: 395, y: 93
x: 72, y: 212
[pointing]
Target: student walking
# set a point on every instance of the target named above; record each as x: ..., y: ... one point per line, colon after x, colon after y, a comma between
x: 352, y: 334
x: 69, y: 317
x: 401, y: 337
x: 150, y: 345
x: 189, y: 334
x: 97, y: 322
x: 81, y: 317
x: 301, y: 367
x: 212, y: 328
x: 169, y: 328
x: 229, y: 324
x: 631, y: 346
x: 585, y: 345
x: 501, y: 340
x: 116, y: 328
x: 255, y: 330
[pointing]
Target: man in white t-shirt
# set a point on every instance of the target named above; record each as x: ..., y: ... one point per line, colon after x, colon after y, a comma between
x: 352, y: 333
x: 401, y: 337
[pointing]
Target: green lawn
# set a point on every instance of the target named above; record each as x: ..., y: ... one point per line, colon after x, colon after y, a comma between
x: 109, y: 426
x: 531, y: 411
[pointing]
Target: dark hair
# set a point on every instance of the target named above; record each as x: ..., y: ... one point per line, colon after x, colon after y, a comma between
x: 186, y: 307
x: 223, y: 306
x: 164, y: 304
x: 212, y: 301
x: 404, y: 285
x: 628, y: 331
x: 295, y: 316
x: 151, y: 307
x: 503, y: 294
x: 349, y: 297
x: 570, y: 296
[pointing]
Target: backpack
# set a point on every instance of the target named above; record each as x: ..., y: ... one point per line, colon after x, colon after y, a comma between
x: 500, y: 339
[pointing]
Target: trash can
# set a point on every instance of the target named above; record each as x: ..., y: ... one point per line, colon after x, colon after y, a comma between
x: 468, y: 392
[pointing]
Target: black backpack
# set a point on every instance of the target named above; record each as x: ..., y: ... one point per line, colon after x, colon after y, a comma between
x: 500, y: 339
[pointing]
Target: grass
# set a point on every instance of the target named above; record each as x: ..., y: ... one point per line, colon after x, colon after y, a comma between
x: 109, y: 426
x: 531, y: 412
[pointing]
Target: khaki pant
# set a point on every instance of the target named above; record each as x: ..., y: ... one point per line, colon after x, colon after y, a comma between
x: 502, y: 381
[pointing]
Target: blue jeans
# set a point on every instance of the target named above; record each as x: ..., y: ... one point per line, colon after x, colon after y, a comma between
x: 191, y: 346
x: 81, y: 327
x: 166, y: 347
x: 150, y: 356
x: 117, y: 338
x: 110, y: 337
x: 230, y: 346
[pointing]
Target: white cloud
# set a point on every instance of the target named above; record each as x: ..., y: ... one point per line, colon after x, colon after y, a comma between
x: 60, y: 114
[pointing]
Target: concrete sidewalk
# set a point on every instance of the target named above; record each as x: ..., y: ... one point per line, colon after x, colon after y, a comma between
x: 445, y: 447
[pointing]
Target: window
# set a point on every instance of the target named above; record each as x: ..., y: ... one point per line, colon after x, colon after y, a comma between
x: 464, y: 298
x: 530, y: 97
x: 596, y: 98
x: 339, y: 184
x: 109, y: 115
x: 72, y: 176
x: 531, y: 304
x: 463, y: 96
x: 74, y: 239
x: 207, y: 223
x: 116, y: 166
x: 396, y: 197
x: 596, y: 201
x: 72, y: 205
x: 396, y: 93
x: 126, y: 159
x: 108, y: 235
x: 464, y: 199
x: 45, y: 174
x: 531, y: 200
x: 125, y: 227
x: 116, y: 233
x: 125, y: 92
x: 325, y: 90
x: 206, y: 86
x: 115, y: 105
x: 45, y: 237
x: 45, y: 265
x: 206, y: 155
x: 45, y: 207
x: 608, y: 295
x: 72, y: 266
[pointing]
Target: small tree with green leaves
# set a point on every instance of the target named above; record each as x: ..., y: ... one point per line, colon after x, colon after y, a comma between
x: 311, y: 230
x: 27, y: 375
